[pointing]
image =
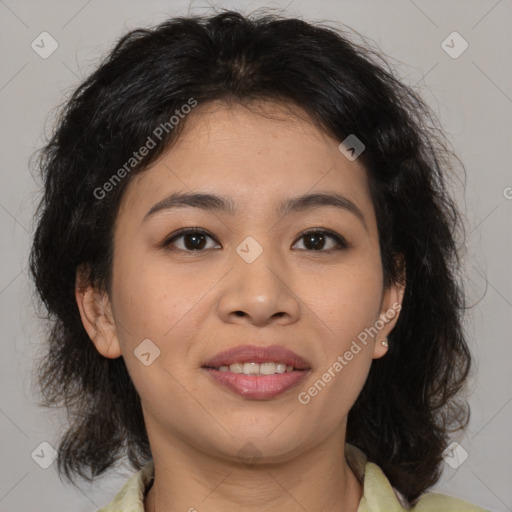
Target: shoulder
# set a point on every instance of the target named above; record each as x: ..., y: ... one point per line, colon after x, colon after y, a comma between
x: 131, y: 497
x: 378, y: 492
x: 380, y: 496
x: 433, y: 501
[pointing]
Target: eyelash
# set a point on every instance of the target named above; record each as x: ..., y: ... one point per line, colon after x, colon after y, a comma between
x: 340, y: 241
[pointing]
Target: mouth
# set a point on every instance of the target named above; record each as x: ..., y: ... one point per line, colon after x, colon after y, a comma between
x: 256, y: 372
x: 252, y: 368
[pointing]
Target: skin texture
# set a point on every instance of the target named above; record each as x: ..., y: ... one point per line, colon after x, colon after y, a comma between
x: 314, y: 302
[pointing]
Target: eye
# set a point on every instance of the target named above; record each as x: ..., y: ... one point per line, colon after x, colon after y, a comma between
x: 193, y: 239
x: 315, y: 240
x: 196, y: 240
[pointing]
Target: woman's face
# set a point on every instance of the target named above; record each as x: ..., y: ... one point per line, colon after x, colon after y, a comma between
x: 252, y: 279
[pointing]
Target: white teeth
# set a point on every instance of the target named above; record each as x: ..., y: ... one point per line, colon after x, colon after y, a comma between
x: 236, y: 368
x: 251, y: 368
x: 269, y: 368
x: 280, y: 367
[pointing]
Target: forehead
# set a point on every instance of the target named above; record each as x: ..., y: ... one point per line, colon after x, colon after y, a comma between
x: 258, y: 154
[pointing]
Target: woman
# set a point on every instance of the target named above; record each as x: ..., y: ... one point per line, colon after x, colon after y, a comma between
x: 249, y: 253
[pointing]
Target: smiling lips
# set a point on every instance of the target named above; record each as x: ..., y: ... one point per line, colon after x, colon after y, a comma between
x: 258, y: 372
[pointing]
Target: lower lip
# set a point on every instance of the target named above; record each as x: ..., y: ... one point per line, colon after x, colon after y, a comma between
x: 259, y: 387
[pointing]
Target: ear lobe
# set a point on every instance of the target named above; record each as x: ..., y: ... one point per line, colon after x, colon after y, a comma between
x: 391, y: 306
x: 97, y: 319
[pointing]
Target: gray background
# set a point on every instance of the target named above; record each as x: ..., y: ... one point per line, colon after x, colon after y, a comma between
x: 471, y: 94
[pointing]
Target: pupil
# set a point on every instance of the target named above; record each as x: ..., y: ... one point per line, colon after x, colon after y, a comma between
x: 197, y: 241
x: 310, y: 241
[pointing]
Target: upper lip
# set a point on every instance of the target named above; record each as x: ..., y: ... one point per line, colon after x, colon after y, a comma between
x: 258, y: 354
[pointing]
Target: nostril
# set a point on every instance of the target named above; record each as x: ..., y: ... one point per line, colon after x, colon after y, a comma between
x: 239, y: 313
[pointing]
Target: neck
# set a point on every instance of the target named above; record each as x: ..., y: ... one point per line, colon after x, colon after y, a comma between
x: 317, y: 480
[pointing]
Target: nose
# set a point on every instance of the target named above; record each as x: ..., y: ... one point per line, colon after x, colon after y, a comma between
x: 258, y: 293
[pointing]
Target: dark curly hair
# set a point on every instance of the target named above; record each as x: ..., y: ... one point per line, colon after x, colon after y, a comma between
x: 413, y: 398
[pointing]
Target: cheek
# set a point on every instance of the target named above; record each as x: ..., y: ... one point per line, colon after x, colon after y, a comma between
x: 345, y: 306
x: 168, y: 305
x: 347, y: 299
x: 345, y: 303
x: 151, y: 301
x: 151, y: 305
x: 326, y: 403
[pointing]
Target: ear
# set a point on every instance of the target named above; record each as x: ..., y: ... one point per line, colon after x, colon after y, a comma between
x: 96, y: 314
x: 390, y: 311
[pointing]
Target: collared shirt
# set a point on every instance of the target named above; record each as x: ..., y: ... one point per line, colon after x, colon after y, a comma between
x: 378, y: 494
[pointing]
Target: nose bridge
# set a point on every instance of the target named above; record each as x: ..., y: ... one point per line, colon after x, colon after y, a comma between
x: 256, y: 290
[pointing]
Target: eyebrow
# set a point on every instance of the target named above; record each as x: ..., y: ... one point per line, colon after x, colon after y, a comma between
x: 211, y: 202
